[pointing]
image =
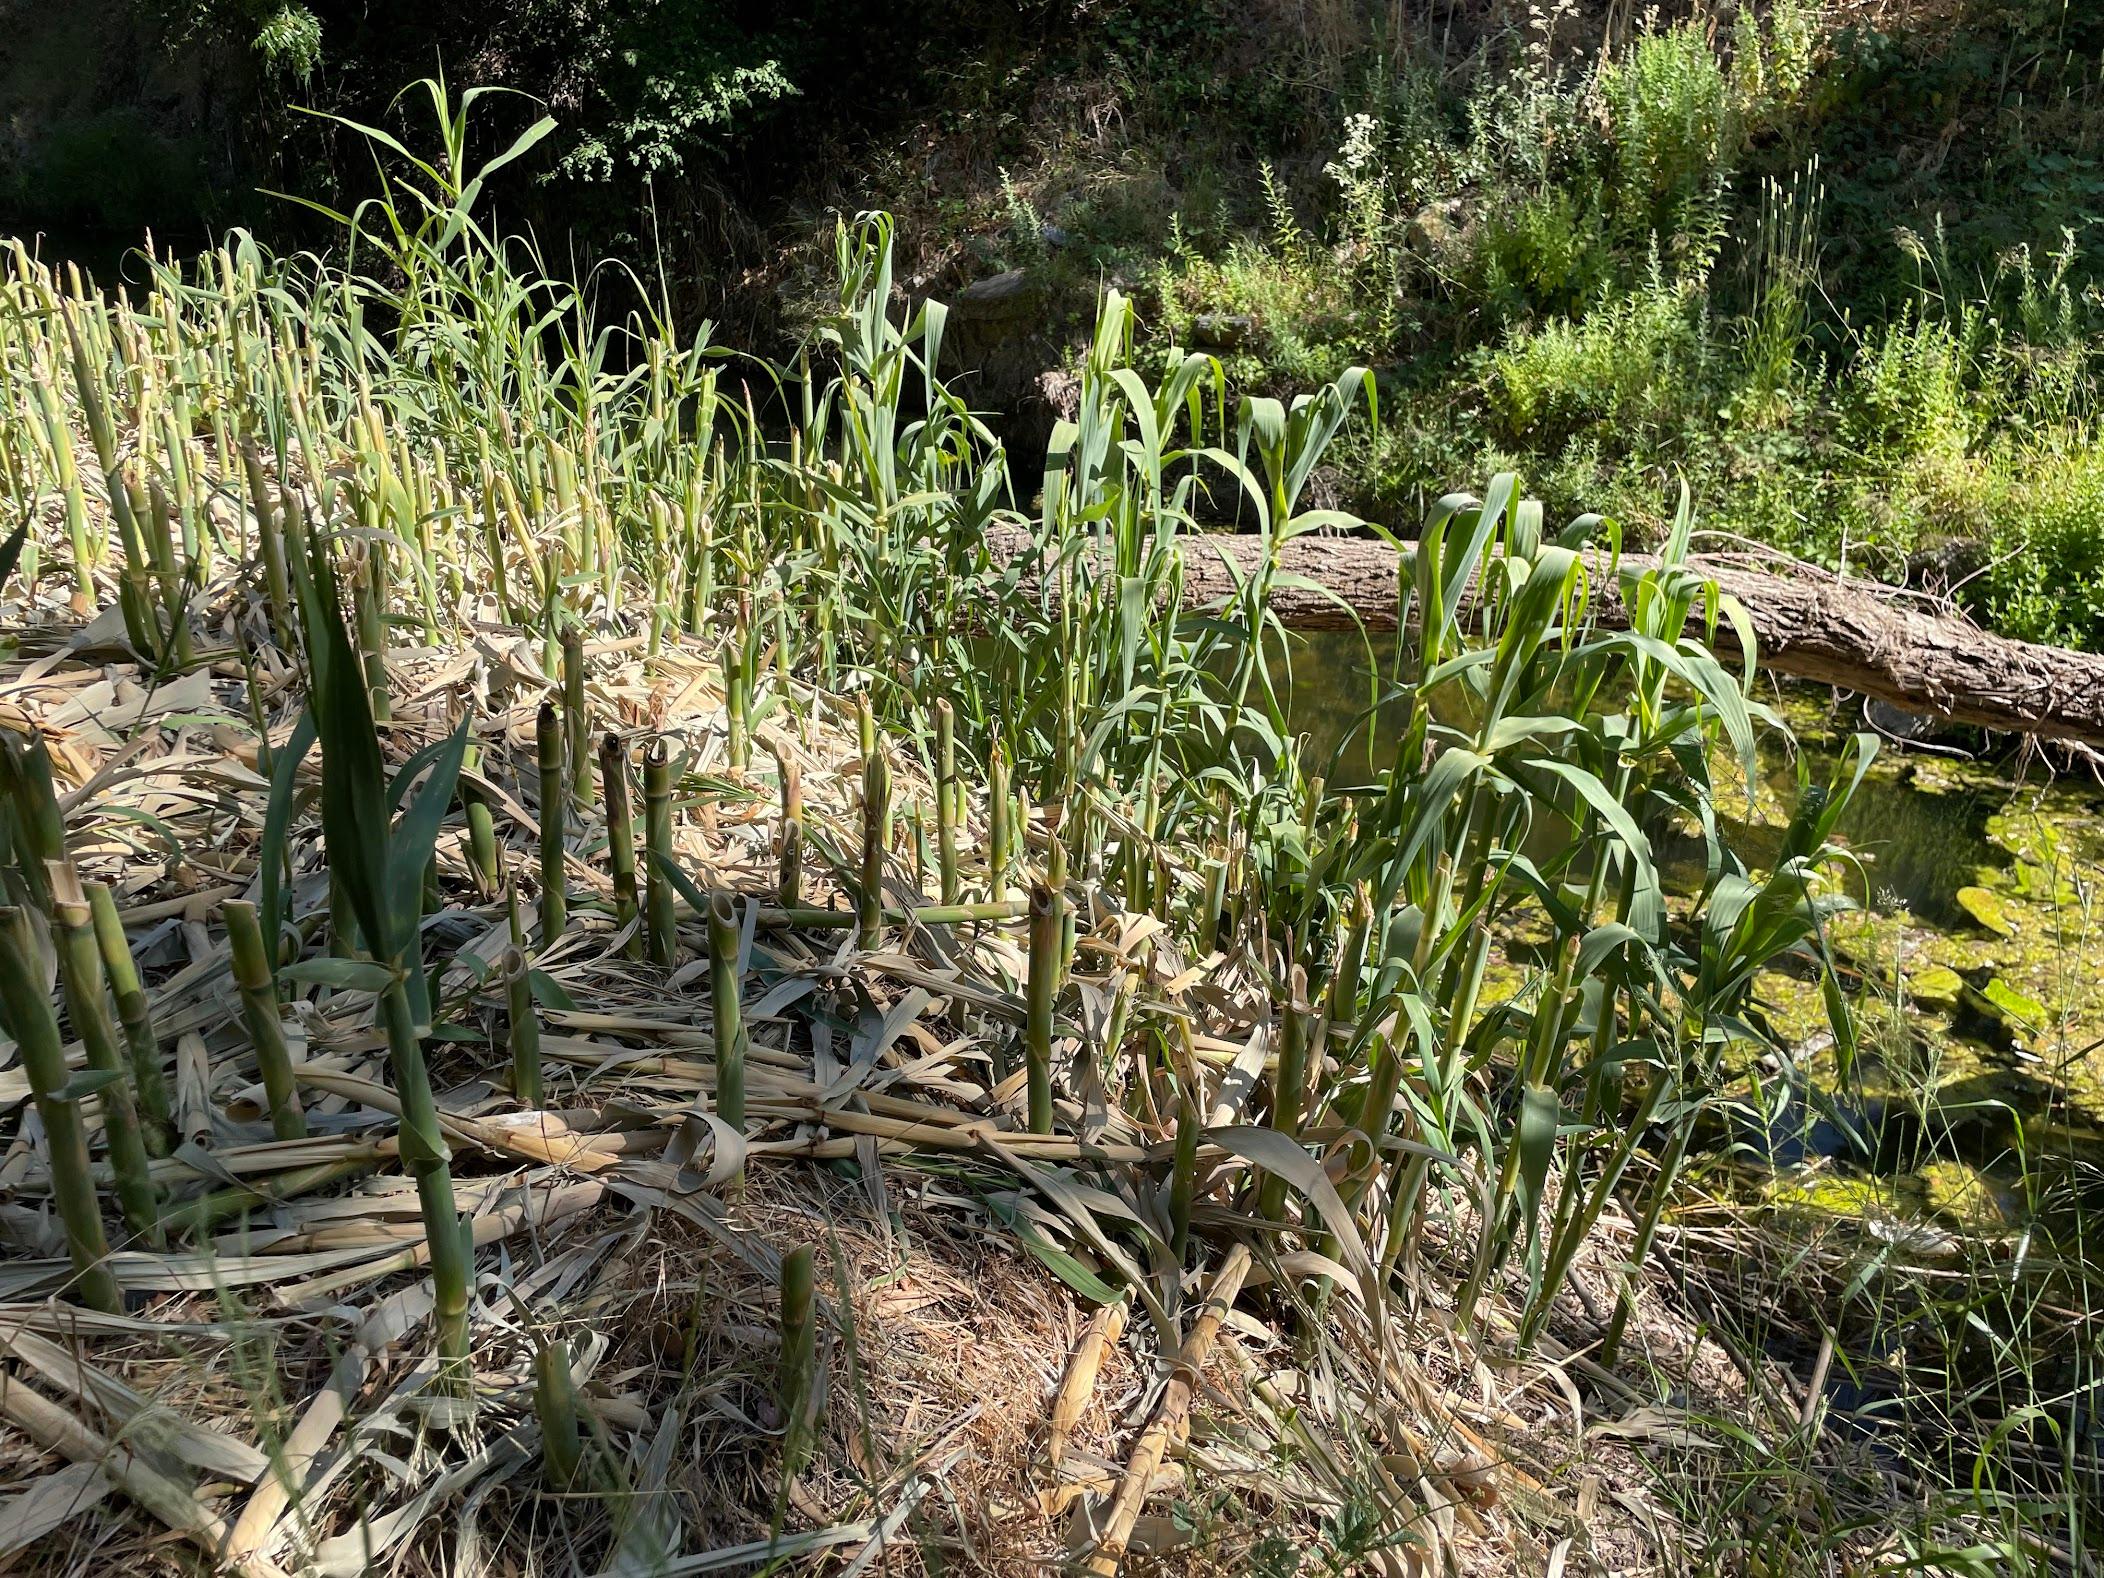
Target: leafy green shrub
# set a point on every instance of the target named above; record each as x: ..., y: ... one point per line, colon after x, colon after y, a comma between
x: 2043, y: 579
x: 2047, y: 369
x: 1773, y: 61
x: 1362, y: 183
x: 1303, y: 325
x: 667, y: 81
x: 283, y: 35
x: 1671, y: 112
x: 1549, y: 253
x: 1630, y: 365
x: 2016, y: 362
x: 1308, y: 314
x: 1905, y: 394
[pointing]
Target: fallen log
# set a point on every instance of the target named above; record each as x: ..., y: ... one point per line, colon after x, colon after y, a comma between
x: 1808, y: 624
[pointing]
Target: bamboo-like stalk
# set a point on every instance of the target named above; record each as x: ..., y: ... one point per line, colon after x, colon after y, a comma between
x: 999, y: 833
x: 427, y: 1157
x: 1289, y: 1086
x: 796, y: 1370
x: 482, y: 826
x: 577, y: 722
x: 917, y: 841
x: 270, y: 544
x: 135, y: 1014
x: 1212, y: 906
x: 548, y: 750
x: 103, y: 432
x: 555, y: 1407
x: 426, y: 544
x: 946, y: 803
x: 1041, y: 990
x: 701, y: 552
x: 1078, y: 1384
x: 60, y: 437
x: 35, y: 1029
x: 134, y: 588
x: 524, y: 1028
x: 369, y: 600
x: 1376, y: 1106
x: 150, y: 504
x: 660, y: 912
x: 87, y: 1007
x: 256, y: 981
x: 135, y: 601
x: 39, y: 825
x: 737, y: 704
x: 1056, y: 880
x: 729, y: 1013
x: 876, y: 841
x: 1351, y: 958
x: 789, y: 887
x: 620, y: 837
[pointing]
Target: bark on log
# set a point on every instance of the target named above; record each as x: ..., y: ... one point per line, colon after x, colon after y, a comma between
x: 1808, y: 625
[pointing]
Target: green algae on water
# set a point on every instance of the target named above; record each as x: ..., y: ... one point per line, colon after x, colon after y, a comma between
x: 1987, y: 911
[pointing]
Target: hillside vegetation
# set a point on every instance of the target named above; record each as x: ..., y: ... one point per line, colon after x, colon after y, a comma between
x: 1832, y: 266
x: 1830, y: 263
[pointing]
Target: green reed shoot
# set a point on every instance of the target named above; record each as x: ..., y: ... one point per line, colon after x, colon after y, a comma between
x: 577, y: 722
x: 876, y: 846
x: 620, y: 837
x: 548, y: 754
x: 379, y: 866
x: 135, y: 1014
x: 255, y: 978
x: 660, y: 905
x: 58, y: 1095
x: 1041, y: 992
x: 524, y: 1026
x: 482, y: 825
x: 87, y: 1007
x: 796, y: 1370
x: 947, y: 801
x: 729, y: 1033
x: 790, y: 881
